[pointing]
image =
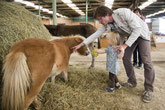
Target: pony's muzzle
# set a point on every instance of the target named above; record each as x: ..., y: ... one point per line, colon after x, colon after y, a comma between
x: 87, y: 53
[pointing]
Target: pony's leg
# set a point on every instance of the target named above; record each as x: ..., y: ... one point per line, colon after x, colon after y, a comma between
x: 54, y: 76
x: 99, y: 46
x: 93, y: 56
x: 53, y: 79
x: 36, y: 103
x: 38, y: 80
x: 65, y: 73
x: 33, y: 93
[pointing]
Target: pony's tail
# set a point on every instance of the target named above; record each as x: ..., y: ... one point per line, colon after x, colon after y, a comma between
x: 16, y: 81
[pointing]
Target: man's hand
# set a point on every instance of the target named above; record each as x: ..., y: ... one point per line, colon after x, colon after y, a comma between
x: 75, y: 48
x: 121, y: 47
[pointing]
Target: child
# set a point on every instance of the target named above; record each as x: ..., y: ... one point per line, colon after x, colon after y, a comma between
x: 112, y: 64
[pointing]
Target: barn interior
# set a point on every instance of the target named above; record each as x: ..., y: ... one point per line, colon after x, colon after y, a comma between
x: 22, y: 19
x: 75, y: 12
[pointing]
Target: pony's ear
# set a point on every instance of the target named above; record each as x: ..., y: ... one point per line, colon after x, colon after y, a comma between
x: 78, y: 40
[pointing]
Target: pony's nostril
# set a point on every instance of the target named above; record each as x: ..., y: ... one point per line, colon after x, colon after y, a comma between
x: 87, y: 53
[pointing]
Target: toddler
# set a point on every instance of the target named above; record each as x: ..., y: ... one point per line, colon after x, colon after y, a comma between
x: 112, y: 64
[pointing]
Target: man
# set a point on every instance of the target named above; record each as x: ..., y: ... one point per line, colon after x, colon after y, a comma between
x: 136, y: 52
x: 129, y: 25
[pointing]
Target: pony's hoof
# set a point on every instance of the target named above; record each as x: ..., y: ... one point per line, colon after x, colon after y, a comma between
x: 91, y: 67
x: 36, y: 104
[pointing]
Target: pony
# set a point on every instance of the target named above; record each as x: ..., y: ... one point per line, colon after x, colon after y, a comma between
x: 29, y: 64
x: 84, y: 30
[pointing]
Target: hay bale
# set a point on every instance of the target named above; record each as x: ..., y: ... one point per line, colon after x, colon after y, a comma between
x: 17, y: 23
x: 83, y: 91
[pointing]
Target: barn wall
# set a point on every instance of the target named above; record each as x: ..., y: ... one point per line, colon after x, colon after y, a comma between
x: 78, y: 23
x: 104, y: 43
x: 63, y: 20
x: 59, y: 21
x: 69, y: 22
x: 46, y: 21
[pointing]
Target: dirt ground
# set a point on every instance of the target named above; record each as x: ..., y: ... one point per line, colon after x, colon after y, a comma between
x: 158, y: 59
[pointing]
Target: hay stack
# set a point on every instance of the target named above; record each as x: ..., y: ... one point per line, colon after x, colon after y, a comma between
x: 17, y: 23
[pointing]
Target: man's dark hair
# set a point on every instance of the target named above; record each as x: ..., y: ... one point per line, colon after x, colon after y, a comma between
x: 102, y: 11
x: 137, y: 9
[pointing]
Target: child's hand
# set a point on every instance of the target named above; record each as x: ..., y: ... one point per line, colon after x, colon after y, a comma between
x: 95, y: 52
x: 99, y: 51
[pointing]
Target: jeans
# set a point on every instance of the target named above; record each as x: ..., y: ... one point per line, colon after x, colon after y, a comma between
x: 135, y: 57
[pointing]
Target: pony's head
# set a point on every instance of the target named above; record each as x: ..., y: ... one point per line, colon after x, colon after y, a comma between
x: 71, y: 41
x: 83, y: 50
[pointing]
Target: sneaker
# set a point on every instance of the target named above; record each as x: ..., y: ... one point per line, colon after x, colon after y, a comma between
x: 139, y: 67
x: 109, y: 89
x: 147, y: 96
x: 134, y: 64
x: 127, y: 84
x: 118, y: 86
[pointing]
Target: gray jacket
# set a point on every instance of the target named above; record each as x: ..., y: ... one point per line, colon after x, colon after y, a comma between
x: 128, y: 22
